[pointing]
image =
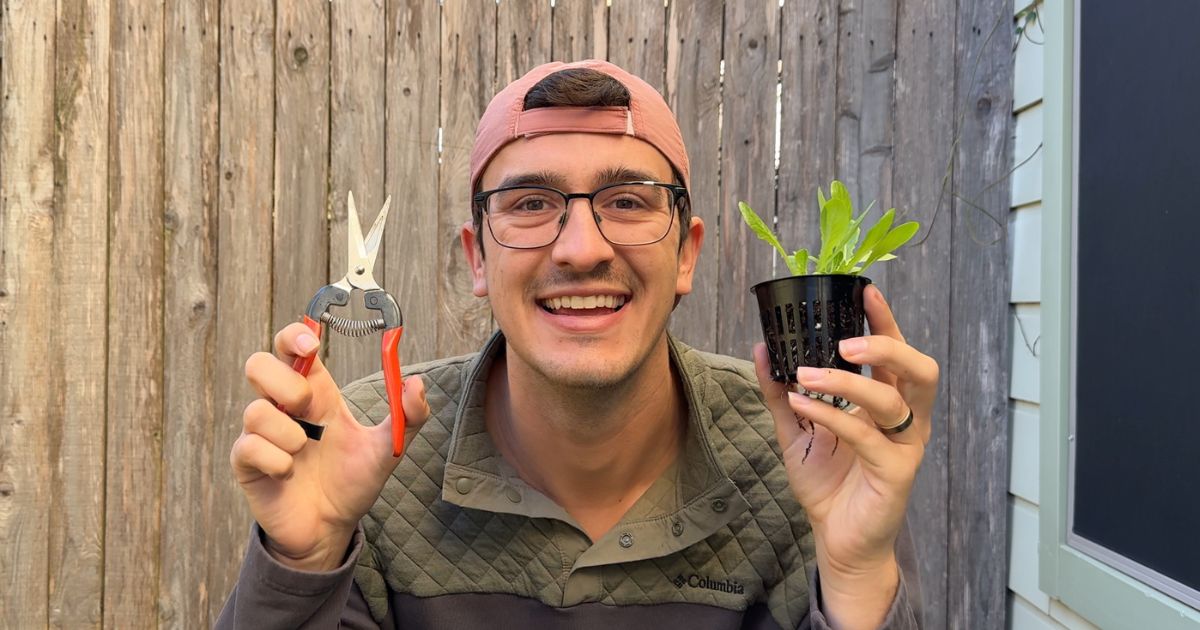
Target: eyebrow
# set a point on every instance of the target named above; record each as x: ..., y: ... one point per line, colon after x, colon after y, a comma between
x: 610, y: 175
x: 538, y: 178
x: 613, y: 175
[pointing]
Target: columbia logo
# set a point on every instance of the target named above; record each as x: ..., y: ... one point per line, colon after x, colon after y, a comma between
x: 698, y: 581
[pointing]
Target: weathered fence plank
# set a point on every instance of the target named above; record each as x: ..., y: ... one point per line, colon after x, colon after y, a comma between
x: 190, y: 286
x: 917, y: 283
x: 412, y: 240
x: 693, y: 90
x: 523, y: 38
x: 865, y: 106
x: 357, y: 157
x: 979, y: 332
x: 809, y: 114
x: 133, y: 495
x: 81, y: 254
x: 640, y: 40
x: 301, y: 157
x: 747, y: 165
x: 246, y: 120
x: 580, y: 30
x: 28, y: 330
x: 468, y: 76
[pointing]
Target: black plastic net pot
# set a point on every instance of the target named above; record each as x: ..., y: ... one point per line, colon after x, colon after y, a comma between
x: 804, y: 318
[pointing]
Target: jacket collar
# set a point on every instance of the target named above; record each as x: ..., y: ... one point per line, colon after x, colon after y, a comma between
x: 691, y: 500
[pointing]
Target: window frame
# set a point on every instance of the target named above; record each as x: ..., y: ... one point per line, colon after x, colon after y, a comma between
x: 1100, y: 593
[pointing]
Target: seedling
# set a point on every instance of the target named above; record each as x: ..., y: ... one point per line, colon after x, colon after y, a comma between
x: 841, y: 251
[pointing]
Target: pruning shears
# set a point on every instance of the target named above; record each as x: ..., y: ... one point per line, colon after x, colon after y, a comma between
x: 360, y: 261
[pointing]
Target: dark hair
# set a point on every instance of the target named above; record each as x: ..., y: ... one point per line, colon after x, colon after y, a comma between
x: 577, y: 87
x: 580, y: 87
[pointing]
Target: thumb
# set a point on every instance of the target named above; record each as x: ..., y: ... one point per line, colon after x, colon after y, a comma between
x: 416, y: 412
x: 787, y: 423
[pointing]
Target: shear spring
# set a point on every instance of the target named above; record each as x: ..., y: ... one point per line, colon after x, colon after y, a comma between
x: 352, y: 327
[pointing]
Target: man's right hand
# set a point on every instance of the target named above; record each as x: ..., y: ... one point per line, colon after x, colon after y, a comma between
x: 308, y: 496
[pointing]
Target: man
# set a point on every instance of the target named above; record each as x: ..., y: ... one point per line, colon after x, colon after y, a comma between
x: 584, y: 470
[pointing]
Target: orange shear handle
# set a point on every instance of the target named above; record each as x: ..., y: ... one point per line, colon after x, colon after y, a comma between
x: 394, y: 383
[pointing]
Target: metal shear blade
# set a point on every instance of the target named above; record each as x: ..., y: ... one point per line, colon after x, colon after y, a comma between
x: 361, y: 254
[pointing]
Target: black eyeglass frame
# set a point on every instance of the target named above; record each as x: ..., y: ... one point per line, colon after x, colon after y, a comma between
x: 678, y: 194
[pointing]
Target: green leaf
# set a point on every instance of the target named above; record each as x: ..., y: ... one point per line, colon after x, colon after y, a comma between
x: 877, y: 232
x: 898, y: 236
x: 798, y: 262
x: 836, y: 213
x: 759, y: 227
x: 821, y: 203
x: 847, y: 252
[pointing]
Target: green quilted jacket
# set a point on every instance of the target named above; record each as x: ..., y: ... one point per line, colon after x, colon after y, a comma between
x: 458, y: 540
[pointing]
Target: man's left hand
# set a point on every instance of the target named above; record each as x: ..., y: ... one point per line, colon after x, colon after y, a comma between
x: 852, y: 479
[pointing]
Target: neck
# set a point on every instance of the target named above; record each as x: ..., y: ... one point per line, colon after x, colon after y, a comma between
x: 593, y: 451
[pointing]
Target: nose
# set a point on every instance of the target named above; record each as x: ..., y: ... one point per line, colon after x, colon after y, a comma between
x: 580, y: 245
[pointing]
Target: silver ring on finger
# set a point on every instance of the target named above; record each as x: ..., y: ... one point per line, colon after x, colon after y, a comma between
x: 899, y: 426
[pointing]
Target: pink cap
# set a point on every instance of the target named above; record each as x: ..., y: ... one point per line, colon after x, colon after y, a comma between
x: 647, y: 118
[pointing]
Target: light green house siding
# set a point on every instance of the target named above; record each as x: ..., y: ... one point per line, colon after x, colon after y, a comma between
x: 1028, y: 607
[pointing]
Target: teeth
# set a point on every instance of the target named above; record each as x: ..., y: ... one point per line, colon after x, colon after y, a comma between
x: 584, y: 302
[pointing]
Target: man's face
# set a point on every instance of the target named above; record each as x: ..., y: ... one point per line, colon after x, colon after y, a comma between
x: 582, y: 347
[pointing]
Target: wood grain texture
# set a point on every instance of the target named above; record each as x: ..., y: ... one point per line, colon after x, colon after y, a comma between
x: 693, y: 91
x: 190, y: 288
x: 468, y: 76
x: 637, y: 40
x: 523, y: 39
x: 246, y: 119
x: 979, y: 334
x: 357, y: 159
x: 133, y: 495
x: 809, y: 113
x: 865, y: 106
x: 747, y: 166
x: 28, y: 334
x: 580, y: 30
x: 412, y: 241
x: 80, y: 257
x: 918, y: 283
x: 301, y: 157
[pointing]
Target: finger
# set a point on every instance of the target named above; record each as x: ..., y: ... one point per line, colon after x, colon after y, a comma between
x: 880, y: 321
x: 253, y: 457
x: 916, y: 373
x: 276, y: 380
x: 262, y: 418
x: 881, y: 401
x: 296, y: 340
x: 879, y: 315
x: 787, y: 423
x: 416, y: 406
x: 871, y: 445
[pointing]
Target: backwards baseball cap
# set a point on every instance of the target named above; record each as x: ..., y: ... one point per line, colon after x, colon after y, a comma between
x: 647, y: 118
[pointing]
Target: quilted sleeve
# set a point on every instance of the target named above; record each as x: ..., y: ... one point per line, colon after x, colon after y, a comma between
x: 269, y: 594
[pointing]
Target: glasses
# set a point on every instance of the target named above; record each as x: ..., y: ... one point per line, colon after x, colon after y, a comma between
x: 629, y: 213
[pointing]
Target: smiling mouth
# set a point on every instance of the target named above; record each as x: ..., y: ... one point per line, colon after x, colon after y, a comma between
x: 583, y: 304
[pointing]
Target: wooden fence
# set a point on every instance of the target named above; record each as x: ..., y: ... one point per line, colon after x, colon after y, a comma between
x: 174, y: 178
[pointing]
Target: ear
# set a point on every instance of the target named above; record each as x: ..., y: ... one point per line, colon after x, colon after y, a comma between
x: 689, y: 253
x: 474, y: 254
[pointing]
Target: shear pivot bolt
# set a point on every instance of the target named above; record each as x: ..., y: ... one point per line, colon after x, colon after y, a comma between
x: 359, y: 270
